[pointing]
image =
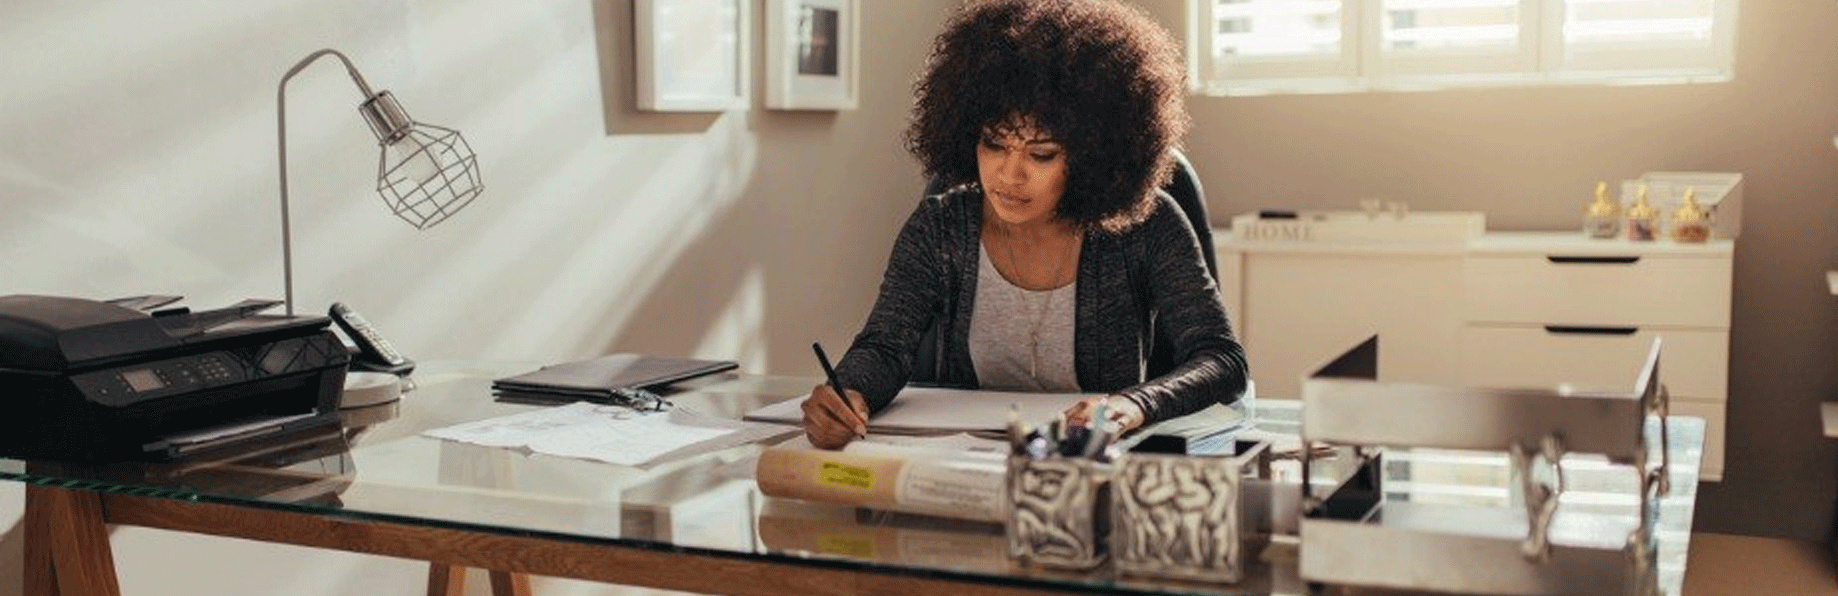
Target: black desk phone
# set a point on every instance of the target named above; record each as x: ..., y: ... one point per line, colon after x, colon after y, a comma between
x: 374, y: 352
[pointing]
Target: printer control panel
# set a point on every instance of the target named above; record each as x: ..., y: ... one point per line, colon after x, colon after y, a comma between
x: 131, y: 383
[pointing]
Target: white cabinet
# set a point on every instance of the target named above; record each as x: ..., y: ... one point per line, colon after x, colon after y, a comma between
x: 1506, y: 309
x: 1298, y: 308
x: 1555, y: 308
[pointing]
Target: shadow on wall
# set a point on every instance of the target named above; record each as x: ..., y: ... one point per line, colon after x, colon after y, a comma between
x: 795, y: 257
x: 685, y: 306
x: 782, y: 263
x: 709, y: 270
x: 613, y: 23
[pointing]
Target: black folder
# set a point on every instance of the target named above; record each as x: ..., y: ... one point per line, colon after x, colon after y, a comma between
x: 606, y: 378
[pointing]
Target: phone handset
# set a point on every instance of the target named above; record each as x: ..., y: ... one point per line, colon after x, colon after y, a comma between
x: 374, y: 352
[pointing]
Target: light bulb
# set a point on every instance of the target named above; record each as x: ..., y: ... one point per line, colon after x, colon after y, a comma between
x: 415, y: 161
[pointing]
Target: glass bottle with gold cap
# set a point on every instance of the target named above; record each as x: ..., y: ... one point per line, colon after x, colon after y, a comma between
x: 1603, y: 217
x: 1642, y: 218
x: 1690, y: 222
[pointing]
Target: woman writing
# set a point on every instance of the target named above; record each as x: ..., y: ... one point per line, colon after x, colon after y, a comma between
x: 1051, y: 262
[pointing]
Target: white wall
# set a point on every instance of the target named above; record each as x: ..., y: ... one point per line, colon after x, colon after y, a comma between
x: 137, y: 155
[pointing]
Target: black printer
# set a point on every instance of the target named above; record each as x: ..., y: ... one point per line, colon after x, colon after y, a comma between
x: 94, y: 381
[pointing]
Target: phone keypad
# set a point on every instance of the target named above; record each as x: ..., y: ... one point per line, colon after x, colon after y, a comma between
x: 355, y: 325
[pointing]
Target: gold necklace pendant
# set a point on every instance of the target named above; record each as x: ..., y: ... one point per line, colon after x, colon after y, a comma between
x: 1033, y: 361
x: 1046, y: 302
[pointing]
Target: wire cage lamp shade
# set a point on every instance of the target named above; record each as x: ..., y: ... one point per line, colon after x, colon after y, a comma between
x: 425, y: 173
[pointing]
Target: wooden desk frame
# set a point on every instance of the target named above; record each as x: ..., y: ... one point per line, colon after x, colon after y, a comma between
x: 68, y: 554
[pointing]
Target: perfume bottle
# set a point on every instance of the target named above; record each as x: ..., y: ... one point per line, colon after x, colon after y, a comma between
x: 1603, y: 217
x: 1642, y: 218
x: 1690, y: 222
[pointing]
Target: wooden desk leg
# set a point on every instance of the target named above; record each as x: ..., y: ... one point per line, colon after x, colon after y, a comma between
x: 506, y: 583
x: 450, y: 580
x: 67, y: 547
x: 446, y: 580
x: 40, y: 576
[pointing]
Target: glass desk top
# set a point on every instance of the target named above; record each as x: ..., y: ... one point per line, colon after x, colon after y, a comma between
x: 377, y: 466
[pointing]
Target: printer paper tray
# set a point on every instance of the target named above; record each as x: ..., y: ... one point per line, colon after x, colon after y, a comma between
x: 180, y: 444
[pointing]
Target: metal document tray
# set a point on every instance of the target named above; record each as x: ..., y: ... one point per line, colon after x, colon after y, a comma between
x: 1355, y: 536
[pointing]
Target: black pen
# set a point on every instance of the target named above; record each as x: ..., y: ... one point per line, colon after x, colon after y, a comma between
x: 836, y: 385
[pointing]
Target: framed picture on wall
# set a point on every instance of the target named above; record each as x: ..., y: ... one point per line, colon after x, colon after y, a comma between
x: 813, y: 48
x: 692, y: 54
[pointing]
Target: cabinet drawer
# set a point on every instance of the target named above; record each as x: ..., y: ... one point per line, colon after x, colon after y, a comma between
x: 1712, y: 413
x: 1693, y: 363
x: 1649, y: 289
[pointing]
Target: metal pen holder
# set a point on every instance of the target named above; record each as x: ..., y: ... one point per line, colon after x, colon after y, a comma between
x: 1058, y: 511
x: 1191, y: 516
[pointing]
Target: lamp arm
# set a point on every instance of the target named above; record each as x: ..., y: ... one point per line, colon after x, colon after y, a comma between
x: 287, y: 251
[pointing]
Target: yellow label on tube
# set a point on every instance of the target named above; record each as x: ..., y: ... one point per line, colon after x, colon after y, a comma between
x: 853, y: 546
x: 845, y: 475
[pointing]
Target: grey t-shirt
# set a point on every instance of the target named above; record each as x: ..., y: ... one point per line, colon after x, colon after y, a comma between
x: 1021, y: 339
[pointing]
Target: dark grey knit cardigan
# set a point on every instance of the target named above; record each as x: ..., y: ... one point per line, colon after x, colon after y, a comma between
x: 1150, y: 279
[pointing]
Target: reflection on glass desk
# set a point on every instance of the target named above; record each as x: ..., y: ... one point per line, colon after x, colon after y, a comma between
x: 695, y: 524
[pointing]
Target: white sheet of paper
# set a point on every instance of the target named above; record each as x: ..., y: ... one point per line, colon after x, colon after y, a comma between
x: 935, y: 409
x: 611, y: 434
x: 517, y: 430
x: 631, y: 442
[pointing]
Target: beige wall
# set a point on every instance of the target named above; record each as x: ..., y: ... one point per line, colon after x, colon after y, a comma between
x: 1530, y: 158
x: 146, y: 165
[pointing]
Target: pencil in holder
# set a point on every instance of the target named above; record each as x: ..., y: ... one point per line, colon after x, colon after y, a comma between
x: 1058, y: 511
x: 1199, y: 517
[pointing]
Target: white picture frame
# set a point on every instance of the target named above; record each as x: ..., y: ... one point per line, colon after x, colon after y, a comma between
x: 691, y: 55
x: 813, y: 49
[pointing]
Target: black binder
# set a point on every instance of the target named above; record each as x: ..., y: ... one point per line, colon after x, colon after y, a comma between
x: 607, y: 379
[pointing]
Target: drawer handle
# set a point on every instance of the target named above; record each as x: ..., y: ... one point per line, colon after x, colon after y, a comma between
x: 1589, y: 330
x: 1592, y: 260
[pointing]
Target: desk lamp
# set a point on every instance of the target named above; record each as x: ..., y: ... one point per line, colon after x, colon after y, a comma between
x: 425, y: 175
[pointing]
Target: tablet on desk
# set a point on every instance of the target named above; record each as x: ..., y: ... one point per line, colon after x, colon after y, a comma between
x: 599, y: 378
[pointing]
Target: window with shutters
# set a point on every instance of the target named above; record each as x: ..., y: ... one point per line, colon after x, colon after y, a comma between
x: 1301, y: 46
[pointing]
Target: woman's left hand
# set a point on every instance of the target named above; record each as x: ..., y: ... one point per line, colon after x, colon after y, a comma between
x: 1119, y: 411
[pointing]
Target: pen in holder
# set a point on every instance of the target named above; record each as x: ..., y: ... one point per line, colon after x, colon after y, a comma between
x: 1056, y: 510
x: 1191, y: 516
x: 1059, y: 490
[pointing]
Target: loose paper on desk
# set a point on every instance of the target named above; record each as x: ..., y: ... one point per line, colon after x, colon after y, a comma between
x: 612, y: 434
x: 927, y: 410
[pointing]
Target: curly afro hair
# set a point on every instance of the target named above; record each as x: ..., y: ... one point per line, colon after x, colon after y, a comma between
x: 1099, y: 76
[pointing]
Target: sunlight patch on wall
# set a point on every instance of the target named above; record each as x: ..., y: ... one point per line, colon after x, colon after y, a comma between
x: 738, y: 332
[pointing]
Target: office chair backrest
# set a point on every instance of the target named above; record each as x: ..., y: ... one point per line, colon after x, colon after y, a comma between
x: 1184, y: 188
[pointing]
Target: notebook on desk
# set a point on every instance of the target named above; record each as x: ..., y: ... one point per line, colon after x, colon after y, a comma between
x: 936, y: 410
x: 600, y: 379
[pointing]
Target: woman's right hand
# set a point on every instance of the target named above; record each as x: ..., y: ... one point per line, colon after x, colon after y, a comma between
x: 831, y: 421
